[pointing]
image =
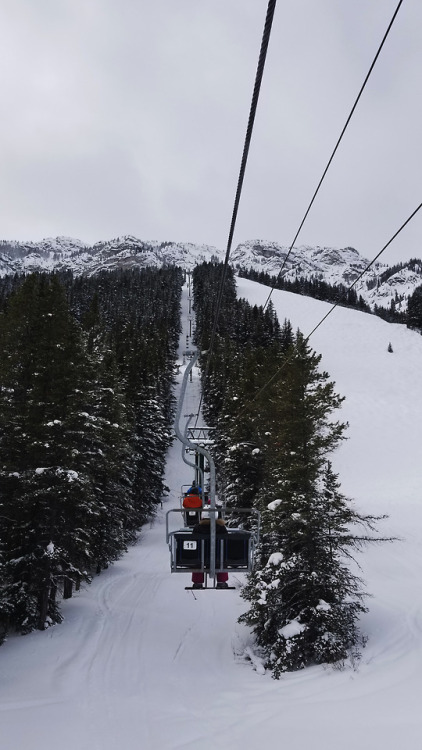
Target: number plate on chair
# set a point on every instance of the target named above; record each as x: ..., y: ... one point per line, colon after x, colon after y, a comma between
x: 189, y: 545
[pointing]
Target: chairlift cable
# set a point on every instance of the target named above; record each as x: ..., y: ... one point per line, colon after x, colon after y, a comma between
x: 334, y: 151
x: 247, y: 558
x: 254, y: 104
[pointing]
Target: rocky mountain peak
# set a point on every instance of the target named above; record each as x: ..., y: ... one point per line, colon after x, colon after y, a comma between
x: 380, y: 285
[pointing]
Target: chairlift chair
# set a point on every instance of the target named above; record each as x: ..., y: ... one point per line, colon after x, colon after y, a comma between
x: 191, y: 553
x: 194, y: 553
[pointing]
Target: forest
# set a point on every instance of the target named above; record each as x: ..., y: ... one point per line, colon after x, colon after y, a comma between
x: 86, y: 409
x: 275, y: 419
x: 336, y: 294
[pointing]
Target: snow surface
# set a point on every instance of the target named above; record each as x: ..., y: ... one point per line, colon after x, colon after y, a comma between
x: 293, y: 628
x: 140, y: 663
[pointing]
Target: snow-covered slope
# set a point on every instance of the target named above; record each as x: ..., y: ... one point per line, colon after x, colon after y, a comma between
x: 140, y: 663
x: 380, y: 285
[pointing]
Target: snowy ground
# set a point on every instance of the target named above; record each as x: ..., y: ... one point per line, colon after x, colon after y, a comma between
x: 139, y: 663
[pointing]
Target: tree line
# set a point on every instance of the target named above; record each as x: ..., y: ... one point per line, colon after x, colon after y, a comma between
x: 414, y: 310
x: 85, y: 410
x: 341, y: 295
x: 336, y: 294
x: 275, y: 418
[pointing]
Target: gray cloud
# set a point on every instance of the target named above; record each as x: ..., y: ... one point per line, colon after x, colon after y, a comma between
x: 130, y: 118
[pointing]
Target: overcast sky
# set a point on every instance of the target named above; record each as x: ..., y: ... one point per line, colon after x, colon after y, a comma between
x: 129, y: 117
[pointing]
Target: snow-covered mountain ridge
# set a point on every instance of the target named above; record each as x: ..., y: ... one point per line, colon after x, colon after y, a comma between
x: 381, y: 285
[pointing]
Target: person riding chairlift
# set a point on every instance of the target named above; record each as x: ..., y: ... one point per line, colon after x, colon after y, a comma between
x: 194, y: 489
x: 192, y: 502
x: 192, y: 498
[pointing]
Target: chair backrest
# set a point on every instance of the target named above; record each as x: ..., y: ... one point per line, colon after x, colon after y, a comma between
x: 237, y: 549
x: 189, y: 549
x: 193, y: 550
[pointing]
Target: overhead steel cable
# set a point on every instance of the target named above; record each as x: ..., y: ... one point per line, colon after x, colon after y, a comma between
x: 286, y: 361
x: 335, y: 149
x: 254, y: 104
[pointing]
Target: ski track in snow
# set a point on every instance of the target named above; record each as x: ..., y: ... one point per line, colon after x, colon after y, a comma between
x: 141, y: 663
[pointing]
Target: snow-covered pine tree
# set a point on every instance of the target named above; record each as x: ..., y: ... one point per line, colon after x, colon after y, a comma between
x: 414, y: 310
x: 304, y: 599
x: 112, y: 471
x: 47, y: 499
x: 140, y: 310
x: 73, y: 466
x: 239, y: 459
x: 68, y: 496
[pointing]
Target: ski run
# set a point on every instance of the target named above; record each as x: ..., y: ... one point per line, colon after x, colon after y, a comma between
x: 141, y: 664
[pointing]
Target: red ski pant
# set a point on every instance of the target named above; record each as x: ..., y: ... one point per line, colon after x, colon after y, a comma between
x: 199, y: 577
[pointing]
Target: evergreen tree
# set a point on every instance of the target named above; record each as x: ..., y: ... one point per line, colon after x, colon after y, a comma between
x: 84, y: 427
x: 238, y: 457
x: 112, y: 471
x: 305, y: 600
x: 414, y: 310
x: 46, y: 493
x: 268, y: 398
